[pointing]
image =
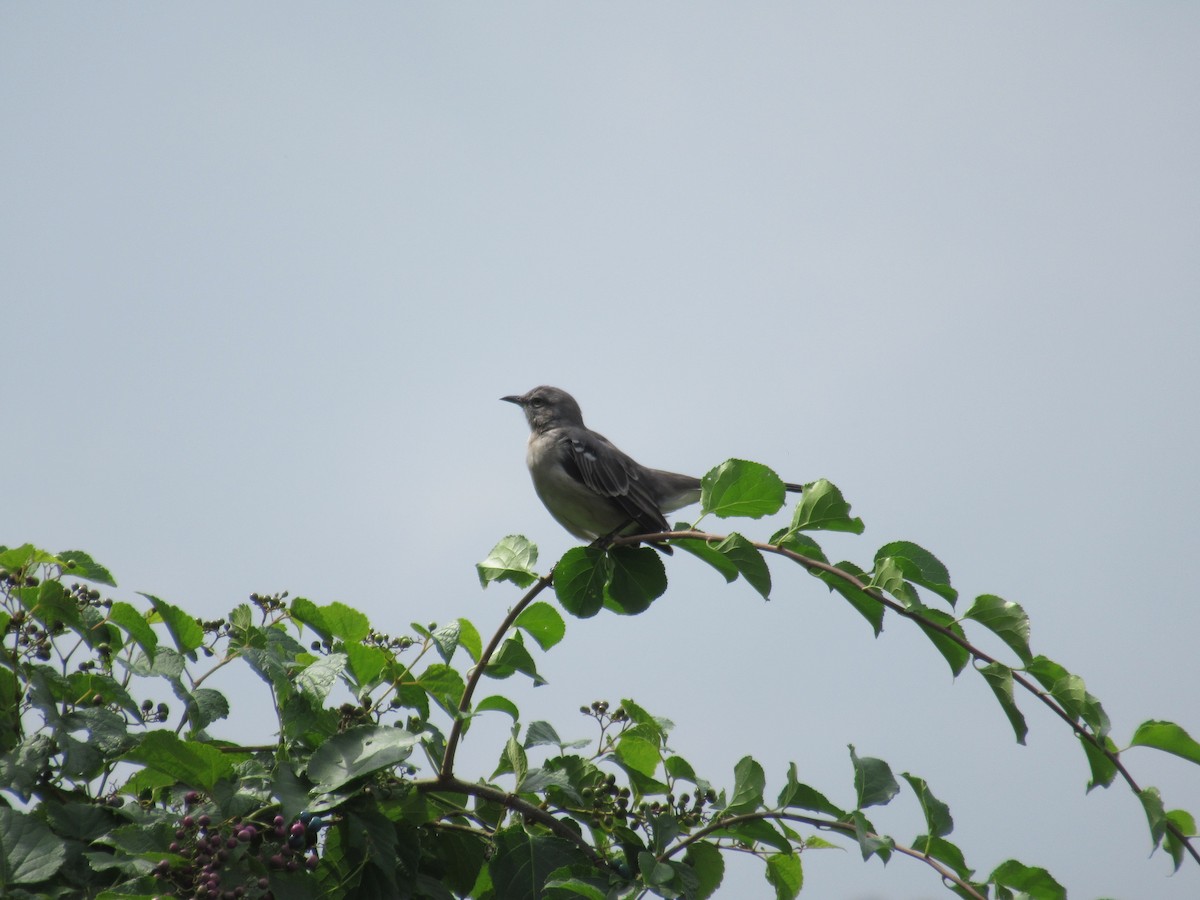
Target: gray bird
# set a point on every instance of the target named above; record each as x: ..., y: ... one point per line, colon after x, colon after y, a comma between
x: 590, y: 487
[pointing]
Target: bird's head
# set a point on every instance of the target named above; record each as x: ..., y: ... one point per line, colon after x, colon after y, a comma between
x: 547, y: 407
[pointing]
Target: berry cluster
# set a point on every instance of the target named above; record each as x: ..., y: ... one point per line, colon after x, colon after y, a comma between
x: 230, y: 860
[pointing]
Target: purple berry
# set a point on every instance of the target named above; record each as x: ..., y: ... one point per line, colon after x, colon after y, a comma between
x: 204, y: 821
x: 298, y: 828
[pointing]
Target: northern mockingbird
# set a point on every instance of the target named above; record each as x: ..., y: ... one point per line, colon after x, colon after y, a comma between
x: 590, y: 487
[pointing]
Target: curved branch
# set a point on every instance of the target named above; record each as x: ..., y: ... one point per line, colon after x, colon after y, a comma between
x: 453, y: 785
x: 818, y: 565
x: 832, y: 824
x: 447, y: 768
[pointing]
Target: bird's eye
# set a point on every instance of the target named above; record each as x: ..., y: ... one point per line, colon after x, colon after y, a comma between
x: 537, y: 402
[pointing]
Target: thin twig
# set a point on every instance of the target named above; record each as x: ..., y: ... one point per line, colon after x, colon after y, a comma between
x: 464, y: 705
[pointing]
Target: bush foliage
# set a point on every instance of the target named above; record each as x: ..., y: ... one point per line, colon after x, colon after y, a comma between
x: 110, y: 792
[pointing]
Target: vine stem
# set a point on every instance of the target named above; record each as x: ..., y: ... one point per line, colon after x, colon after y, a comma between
x: 980, y: 656
x: 446, y: 772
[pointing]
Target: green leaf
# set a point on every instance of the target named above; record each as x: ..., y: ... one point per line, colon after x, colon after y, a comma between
x: 1070, y: 692
x: 1034, y: 882
x: 188, y: 762
x: 358, y: 752
x: 579, y: 579
x: 185, y: 631
x: 469, y: 640
x: 558, y: 882
x: 1156, y: 815
x: 1000, y: 679
x: 955, y: 654
x: 801, y: 796
x: 522, y: 863
x: 1183, y: 821
x: 738, y: 487
x: 1168, y: 737
x: 887, y: 577
x: 513, y: 657
x: 705, y: 551
x: 1104, y: 770
x: 542, y: 622
x: 515, y: 760
x: 1007, y: 620
x: 638, y: 749
x: 24, y: 557
x: 937, y: 813
x: 749, y: 781
x: 748, y: 561
x: 512, y: 559
x: 81, y: 565
x: 444, y: 684
x: 498, y: 704
x: 944, y: 852
x: 709, y: 865
x: 798, y: 543
x: 873, y: 781
x: 317, y: 678
x: 637, y: 579
x: 920, y: 567
x: 135, y: 625
x: 868, y: 607
x: 29, y: 851
x: 785, y: 874
x: 753, y: 831
x: 208, y: 706
x: 822, y: 507
x: 366, y: 662
x: 870, y: 843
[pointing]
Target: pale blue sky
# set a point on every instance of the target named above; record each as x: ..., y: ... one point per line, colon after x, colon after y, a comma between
x: 266, y: 269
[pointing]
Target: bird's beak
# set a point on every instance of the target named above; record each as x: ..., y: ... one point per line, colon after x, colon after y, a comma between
x: 513, y: 398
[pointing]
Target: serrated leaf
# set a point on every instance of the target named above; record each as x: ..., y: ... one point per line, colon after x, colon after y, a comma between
x: 747, y: 559
x: 523, y: 862
x: 888, y: 578
x: 357, y: 752
x: 754, y: 830
x: 512, y: 559
x: 542, y: 622
x: 317, y: 678
x: 579, y: 580
x: 444, y: 684
x: 749, y: 780
x: 188, y: 762
x: 1000, y: 680
x: 1007, y: 620
x: 497, y: 703
x: 208, y: 706
x: 822, y: 507
x: 133, y: 623
x: 937, y: 814
x: 709, y: 865
x: 469, y: 640
x: 738, y: 487
x: 1167, y: 737
x: 80, y: 565
x: 185, y: 631
x: 637, y: 578
x: 29, y: 851
x: 366, y: 662
x: 920, y: 567
x: 785, y: 874
x: 873, y: 780
x: 638, y: 749
x: 1036, y: 883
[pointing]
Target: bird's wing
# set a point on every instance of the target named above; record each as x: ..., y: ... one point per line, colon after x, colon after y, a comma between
x: 592, y: 460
